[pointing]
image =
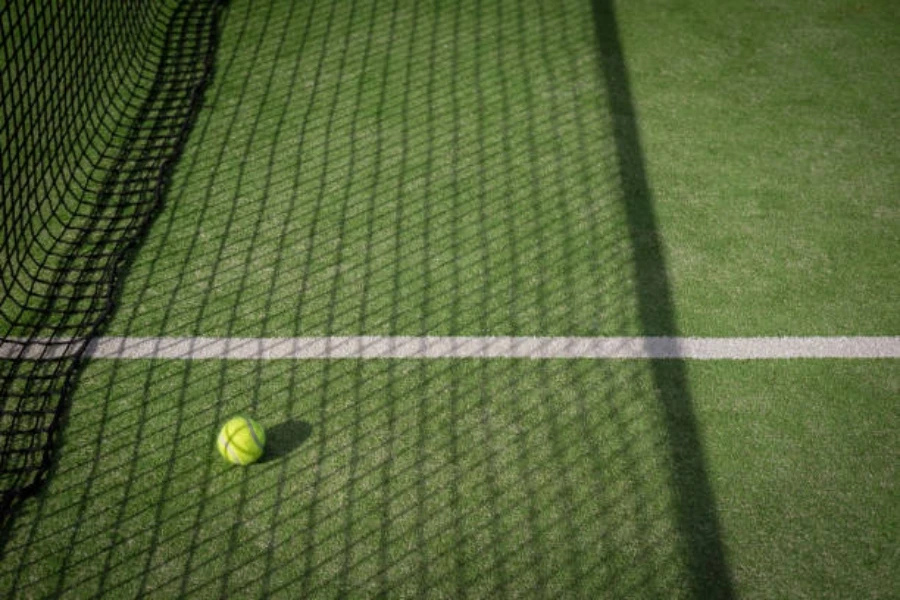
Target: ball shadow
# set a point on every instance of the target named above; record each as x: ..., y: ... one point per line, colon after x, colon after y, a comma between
x: 284, y: 438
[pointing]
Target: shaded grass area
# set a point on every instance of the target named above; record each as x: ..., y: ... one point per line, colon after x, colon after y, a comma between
x: 452, y: 478
x: 438, y: 478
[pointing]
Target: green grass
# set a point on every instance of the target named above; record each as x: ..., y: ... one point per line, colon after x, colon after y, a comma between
x: 486, y: 477
x: 452, y: 168
x: 403, y: 477
x: 803, y: 459
x: 771, y: 132
x: 443, y: 170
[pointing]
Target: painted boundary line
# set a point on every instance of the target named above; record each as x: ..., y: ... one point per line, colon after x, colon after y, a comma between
x: 374, y: 347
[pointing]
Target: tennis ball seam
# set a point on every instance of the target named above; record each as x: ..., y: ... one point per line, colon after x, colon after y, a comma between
x: 225, y: 442
x: 252, y: 430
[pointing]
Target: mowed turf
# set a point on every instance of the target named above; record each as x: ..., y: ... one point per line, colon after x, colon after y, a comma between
x: 450, y: 168
x: 394, y: 168
x: 803, y: 459
x: 462, y: 478
x: 403, y: 478
x: 771, y: 133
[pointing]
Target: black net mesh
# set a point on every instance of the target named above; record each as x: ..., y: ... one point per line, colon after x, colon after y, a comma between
x: 96, y: 101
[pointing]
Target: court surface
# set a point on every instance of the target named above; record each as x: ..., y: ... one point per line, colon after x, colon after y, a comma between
x: 468, y: 176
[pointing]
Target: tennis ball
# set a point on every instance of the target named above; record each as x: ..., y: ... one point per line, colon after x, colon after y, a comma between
x: 242, y: 441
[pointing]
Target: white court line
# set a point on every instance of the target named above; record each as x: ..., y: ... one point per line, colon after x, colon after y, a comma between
x: 373, y: 347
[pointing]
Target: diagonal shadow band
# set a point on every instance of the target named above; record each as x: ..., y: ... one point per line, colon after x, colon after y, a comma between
x: 697, y: 516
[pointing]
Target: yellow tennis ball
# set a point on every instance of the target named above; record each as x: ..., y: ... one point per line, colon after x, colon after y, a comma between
x: 242, y: 441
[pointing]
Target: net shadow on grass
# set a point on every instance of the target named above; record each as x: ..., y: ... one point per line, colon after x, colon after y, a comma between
x: 419, y: 170
x: 500, y: 478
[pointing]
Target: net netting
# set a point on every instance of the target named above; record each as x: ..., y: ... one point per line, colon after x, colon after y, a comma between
x: 96, y: 100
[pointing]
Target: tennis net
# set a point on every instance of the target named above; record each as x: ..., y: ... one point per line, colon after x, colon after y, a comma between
x: 96, y: 99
